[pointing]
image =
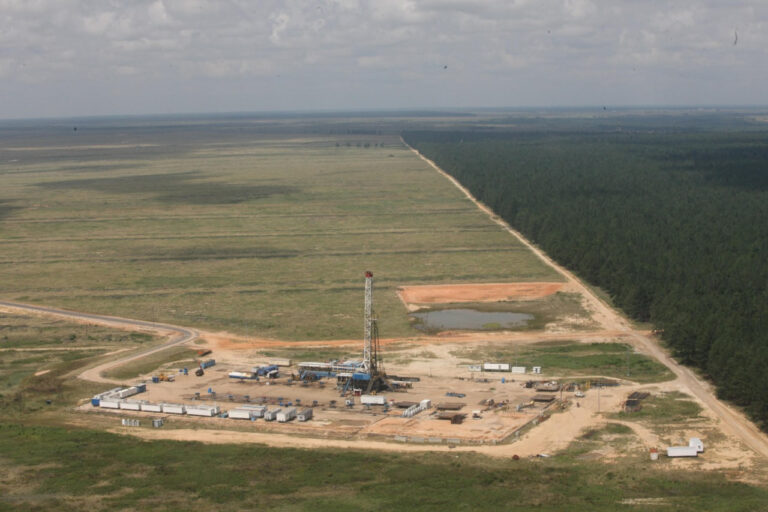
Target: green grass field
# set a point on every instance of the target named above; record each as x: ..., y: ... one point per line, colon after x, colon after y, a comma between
x: 263, y: 234
x: 101, y: 471
x: 575, y: 359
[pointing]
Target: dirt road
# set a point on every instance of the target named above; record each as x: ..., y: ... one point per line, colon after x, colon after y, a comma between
x: 732, y: 421
x: 178, y: 335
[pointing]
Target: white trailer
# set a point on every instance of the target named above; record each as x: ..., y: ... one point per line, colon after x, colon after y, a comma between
x: 682, y: 451
x: 286, y: 415
x: 110, y: 403
x: 518, y: 369
x: 271, y: 415
x: 496, y: 367
x: 425, y: 404
x: 125, y: 393
x: 258, y: 410
x: 280, y: 362
x: 304, y: 414
x: 130, y: 405
x: 242, y: 414
x: 203, y: 410
x: 373, y: 399
x: 147, y: 407
x: 174, y: 409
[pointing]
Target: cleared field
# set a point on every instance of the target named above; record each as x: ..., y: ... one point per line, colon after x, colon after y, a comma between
x: 264, y: 235
x: 575, y: 359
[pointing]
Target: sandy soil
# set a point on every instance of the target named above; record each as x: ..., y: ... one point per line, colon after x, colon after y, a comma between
x: 482, y: 292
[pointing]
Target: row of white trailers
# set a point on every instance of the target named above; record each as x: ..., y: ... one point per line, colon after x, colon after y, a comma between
x: 246, y: 412
x: 503, y: 367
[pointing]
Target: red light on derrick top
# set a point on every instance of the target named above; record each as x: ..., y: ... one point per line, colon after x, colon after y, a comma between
x: 368, y: 273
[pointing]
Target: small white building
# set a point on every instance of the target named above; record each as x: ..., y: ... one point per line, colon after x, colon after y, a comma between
x: 271, y: 415
x: 682, y: 451
x: 286, y: 415
x: 174, y: 409
x: 203, y: 410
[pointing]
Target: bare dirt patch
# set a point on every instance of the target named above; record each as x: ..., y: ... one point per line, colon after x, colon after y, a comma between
x: 481, y: 292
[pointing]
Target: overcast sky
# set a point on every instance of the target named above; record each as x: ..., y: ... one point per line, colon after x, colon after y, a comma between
x: 97, y: 57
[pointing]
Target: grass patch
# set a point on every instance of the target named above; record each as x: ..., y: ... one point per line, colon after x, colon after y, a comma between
x: 571, y: 358
x: 110, y: 472
x: 672, y: 407
x: 243, y: 248
x: 180, y: 356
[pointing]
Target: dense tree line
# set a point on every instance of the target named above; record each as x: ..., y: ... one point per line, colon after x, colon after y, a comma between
x: 673, y: 225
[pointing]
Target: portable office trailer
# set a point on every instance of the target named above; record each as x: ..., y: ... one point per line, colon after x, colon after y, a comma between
x: 125, y: 393
x: 518, y: 369
x: 203, y: 410
x: 242, y: 414
x: 682, y: 451
x: 258, y: 410
x: 286, y: 415
x: 426, y: 403
x: 373, y: 399
x: 147, y: 407
x: 110, y: 403
x: 496, y: 367
x: 130, y: 405
x: 304, y: 414
x: 174, y: 409
x: 271, y: 415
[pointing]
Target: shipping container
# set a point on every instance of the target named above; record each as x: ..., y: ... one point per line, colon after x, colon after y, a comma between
x: 141, y: 387
x: 373, y: 399
x: 242, y: 414
x: 203, y: 410
x: 304, y: 414
x: 280, y: 362
x: 271, y: 415
x: 426, y: 403
x: 110, y: 403
x: 147, y: 407
x: 174, y: 409
x: 682, y: 451
x: 208, y: 363
x: 95, y: 401
x: 496, y: 367
x: 286, y: 415
x: 130, y: 405
x: 125, y: 393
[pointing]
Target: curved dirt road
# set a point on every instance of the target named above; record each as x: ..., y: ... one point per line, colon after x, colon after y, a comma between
x: 732, y: 421
x: 178, y: 334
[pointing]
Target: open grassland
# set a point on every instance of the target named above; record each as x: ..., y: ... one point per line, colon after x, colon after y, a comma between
x: 38, y: 357
x: 570, y: 358
x: 262, y: 234
x: 180, y: 357
x: 101, y: 471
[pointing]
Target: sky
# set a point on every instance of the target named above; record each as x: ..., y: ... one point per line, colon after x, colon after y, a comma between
x: 62, y: 58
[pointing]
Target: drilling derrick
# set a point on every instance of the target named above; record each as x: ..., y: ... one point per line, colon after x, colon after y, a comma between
x: 371, y: 364
x: 369, y: 360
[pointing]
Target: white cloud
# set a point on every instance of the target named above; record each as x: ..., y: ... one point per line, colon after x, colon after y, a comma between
x: 376, y: 52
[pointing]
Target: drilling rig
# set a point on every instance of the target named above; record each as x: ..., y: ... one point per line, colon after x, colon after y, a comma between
x: 371, y: 364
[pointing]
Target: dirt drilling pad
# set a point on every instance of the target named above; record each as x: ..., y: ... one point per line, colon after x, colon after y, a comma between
x: 416, y: 296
